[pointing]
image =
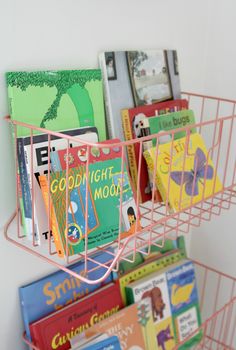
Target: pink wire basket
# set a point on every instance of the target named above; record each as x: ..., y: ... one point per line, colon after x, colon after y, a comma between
x: 215, y: 122
x: 217, y: 301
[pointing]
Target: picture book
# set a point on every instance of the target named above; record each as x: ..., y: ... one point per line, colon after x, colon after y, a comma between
x: 184, y: 172
x: 184, y: 302
x: 182, y: 285
x: 154, y: 286
x: 56, y: 330
x: 39, y: 167
x: 186, y: 325
x: 57, y: 100
x: 136, y: 78
x: 98, y: 342
x: 165, y: 334
x: 52, y: 292
x: 151, y: 265
x: 79, y: 155
x: 132, y: 120
x: 133, y: 326
x: 106, y: 187
x: 171, y: 121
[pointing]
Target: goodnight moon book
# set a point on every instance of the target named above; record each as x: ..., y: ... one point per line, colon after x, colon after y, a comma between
x: 99, y: 216
x: 185, y: 177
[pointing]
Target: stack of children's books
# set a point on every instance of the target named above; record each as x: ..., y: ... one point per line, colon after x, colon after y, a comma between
x: 76, y: 188
x: 153, y: 305
x: 80, y: 188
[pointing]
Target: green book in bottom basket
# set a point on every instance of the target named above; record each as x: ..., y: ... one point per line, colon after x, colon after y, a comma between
x: 103, y: 207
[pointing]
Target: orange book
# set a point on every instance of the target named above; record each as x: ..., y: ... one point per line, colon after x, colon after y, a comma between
x: 133, y: 326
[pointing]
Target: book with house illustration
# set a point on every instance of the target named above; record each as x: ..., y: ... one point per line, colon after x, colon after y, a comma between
x: 185, y: 172
x: 136, y: 78
x: 57, y: 100
x: 88, y: 225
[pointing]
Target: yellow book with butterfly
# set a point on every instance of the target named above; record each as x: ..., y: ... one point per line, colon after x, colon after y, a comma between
x: 184, y: 171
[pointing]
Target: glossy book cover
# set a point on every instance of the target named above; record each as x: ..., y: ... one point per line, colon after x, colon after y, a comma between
x: 104, y: 191
x: 133, y: 326
x: 56, y: 330
x: 57, y: 100
x: 185, y: 171
x: 50, y: 293
x: 131, y: 123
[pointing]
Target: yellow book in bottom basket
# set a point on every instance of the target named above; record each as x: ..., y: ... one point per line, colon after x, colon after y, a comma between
x: 184, y: 171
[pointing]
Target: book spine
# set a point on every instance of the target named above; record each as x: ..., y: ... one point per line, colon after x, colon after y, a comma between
x: 158, y: 182
x: 24, y: 314
x: 25, y: 189
x: 130, y: 149
x: 109, y: 117
x: 129, y: 296
x: 55, y: 161
x: 30, y: 185
x: 53, y: 221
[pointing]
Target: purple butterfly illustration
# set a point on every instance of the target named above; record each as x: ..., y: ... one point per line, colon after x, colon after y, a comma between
x: 194, y: 176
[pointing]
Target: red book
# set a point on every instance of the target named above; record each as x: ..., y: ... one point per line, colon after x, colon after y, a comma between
x: 78, y: 155
x: 130, y: 122
x: 56, y: 330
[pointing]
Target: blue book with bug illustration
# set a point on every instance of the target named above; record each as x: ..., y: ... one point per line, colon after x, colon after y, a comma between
x: 185, y: 173
x: 58, y: 289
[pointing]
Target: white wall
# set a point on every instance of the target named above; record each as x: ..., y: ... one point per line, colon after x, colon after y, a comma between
x: 218, y: 236
x: 52, y: 34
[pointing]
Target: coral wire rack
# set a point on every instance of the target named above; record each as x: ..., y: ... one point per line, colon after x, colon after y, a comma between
x: 217, y: 125
x: 216, y: 122
x: 218, y: 312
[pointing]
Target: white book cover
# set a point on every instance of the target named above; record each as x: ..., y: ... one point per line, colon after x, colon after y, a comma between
x: 155, y: 287
x: 40, y: 167
x: 136, y: 78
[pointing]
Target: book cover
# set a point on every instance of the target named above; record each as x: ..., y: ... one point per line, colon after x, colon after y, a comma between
x: 39, y: 167
x: 105, y: 182
x: 102, y: 342
x: 185, y: 172
x: 157, y: 263
x: 182, y: 285
x: 133, y: 326
x: 171, y: 121
x: 56, y: 330
x: 184, y: 302
x: 154, y: 286
x: 52, y: 292
x: 165, y: 334
x: 134, y: 78
x: 78, y: 155
x: 186, y: 324
x: 131, y: 123
x: 57, y: 100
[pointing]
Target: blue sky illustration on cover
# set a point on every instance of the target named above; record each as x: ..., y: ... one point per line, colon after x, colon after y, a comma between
x: 182, y: 286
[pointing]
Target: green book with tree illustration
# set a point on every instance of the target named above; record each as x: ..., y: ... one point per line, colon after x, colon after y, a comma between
x: 57, y: 100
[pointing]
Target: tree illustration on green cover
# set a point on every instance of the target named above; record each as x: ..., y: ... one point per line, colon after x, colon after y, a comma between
x: 71, y: 82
